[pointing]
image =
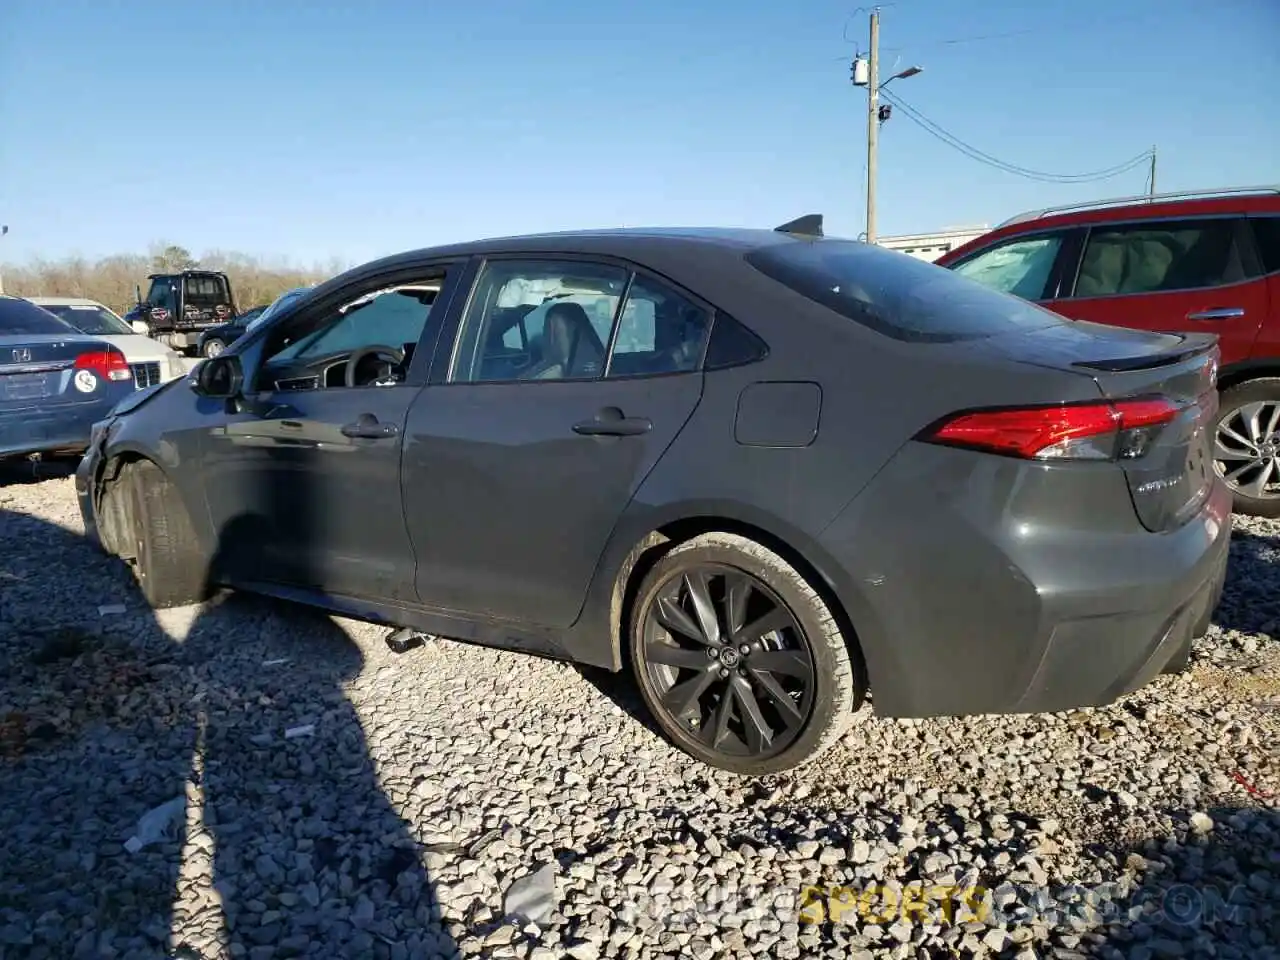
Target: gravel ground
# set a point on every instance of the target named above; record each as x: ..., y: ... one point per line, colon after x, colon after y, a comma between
x: 330, y: 799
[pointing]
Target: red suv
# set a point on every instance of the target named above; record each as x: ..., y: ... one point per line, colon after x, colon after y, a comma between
x: 1204, y: 262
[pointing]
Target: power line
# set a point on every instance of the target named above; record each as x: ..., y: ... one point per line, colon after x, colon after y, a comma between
x: 975, y: 154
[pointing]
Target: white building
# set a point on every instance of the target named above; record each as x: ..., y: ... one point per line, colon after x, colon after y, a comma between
x: 930, y: 246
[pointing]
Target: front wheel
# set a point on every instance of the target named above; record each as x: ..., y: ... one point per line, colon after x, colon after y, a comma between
x: 1246, y: 445
x: 213, y: 347
x: 167, y: 561
x: 739, y: 659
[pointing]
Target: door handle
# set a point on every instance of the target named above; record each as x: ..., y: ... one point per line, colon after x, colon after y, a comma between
x: 1222, y: 313
x: 610, y: 422
x: 367, y: 427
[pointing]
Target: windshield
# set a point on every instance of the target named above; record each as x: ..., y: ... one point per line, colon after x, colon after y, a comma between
x: 23, y: 318
x: 896, y: 294
x: 90, y: 318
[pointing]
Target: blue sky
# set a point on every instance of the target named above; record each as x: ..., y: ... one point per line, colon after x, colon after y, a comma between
x: 313, y: 129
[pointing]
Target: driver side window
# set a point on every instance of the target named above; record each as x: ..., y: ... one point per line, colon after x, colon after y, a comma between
x: 314, y: 350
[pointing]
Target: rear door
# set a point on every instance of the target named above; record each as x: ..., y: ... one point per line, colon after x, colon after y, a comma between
x: 518, y: 462
x: 1187, y: 275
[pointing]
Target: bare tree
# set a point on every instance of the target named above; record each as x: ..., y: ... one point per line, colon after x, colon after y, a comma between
x: 114, y: 280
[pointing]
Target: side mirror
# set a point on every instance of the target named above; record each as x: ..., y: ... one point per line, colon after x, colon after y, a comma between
x: 141, y: 327
x: 221, y: 377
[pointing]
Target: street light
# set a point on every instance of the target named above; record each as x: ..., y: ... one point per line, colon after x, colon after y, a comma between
x: 4, y: 230
x: 902, y: 74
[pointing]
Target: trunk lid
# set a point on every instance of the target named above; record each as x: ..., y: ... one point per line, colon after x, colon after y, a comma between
x: 37, y: 367
x: 1171, y: 481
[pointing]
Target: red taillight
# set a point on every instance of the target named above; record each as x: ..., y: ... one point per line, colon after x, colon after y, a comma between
x: 1102, y: 430
x: 107, y: 364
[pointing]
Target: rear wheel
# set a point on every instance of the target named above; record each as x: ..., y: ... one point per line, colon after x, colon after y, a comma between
x: 167, y: 562
x: 1246, y: 445
x: 739, y: 659
x: 213, y: 347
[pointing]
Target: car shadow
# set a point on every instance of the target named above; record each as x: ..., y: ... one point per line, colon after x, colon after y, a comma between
x: 621, y: 689
x: 94, y: 732
x: 26, y: 470
x: 229, y: 723
x: 1251, y: 597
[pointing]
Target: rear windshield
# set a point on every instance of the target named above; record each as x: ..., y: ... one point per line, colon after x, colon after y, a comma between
x: 23, y: 318
x: 88, y: 318
x: 207, y: 291
x: 896, y: 294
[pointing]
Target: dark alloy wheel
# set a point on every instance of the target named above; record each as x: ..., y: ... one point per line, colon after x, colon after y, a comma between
x: 735, y: 672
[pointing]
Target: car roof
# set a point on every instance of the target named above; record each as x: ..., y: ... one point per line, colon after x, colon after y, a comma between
x: 1236, y: 201
x: 1181, y: 204
x: 64, y: 301
x: 625, y: 242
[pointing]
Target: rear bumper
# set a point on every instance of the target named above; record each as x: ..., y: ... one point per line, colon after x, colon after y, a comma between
x: 973, y: 590
x: 55, y: 427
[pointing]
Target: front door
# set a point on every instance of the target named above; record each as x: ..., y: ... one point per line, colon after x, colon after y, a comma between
x: 1194, y: 275
x: 567, y: 383
x: 303, y: 484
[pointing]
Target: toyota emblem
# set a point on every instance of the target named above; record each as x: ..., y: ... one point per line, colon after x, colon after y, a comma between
x: 22, y: 355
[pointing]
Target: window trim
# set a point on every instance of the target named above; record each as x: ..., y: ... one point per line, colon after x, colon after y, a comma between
x: 254, y: 342
x: 442, y: 368
x: 1242, y: 237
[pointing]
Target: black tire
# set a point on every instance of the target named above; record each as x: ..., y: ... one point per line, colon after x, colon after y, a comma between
x: 167, y: 563
x: 823, y: 709
x: 1265, y: 391
x: 212, y: 347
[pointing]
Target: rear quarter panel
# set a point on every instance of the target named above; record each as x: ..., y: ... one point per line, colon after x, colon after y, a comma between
x: 876, y: 394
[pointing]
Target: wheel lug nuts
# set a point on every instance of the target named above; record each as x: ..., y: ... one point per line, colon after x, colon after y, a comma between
x: 724, y: 672
x: 745, y: 649
x: 711, y: 653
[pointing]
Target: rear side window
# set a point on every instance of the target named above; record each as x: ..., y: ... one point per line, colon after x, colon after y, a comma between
x: 1266, y: 232
x: 895, y: 294
x: 1156, y: 257
x: 209, y: 291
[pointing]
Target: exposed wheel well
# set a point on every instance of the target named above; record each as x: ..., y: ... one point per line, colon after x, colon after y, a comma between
x: 1233, y: 376
x: 653, y: 546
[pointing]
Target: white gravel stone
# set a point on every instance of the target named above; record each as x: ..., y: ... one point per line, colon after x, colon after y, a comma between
x: 436, y: 781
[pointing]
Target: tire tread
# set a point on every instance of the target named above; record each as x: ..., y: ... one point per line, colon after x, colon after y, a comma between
x: 847, y: 688
x: 169, y: 567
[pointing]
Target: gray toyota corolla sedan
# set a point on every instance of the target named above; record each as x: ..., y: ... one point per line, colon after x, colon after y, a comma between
x: 765, y: 470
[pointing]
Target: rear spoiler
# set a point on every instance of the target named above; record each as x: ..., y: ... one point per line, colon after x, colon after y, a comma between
x: 1192, y: 345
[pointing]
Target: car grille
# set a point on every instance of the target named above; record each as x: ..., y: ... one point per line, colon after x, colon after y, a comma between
x: 145, y: 374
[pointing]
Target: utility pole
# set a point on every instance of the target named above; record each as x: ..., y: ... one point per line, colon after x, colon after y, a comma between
x: 873, y: 121
x: 4, y: 230
x: 866, y: 73
x: 1151, y: 190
